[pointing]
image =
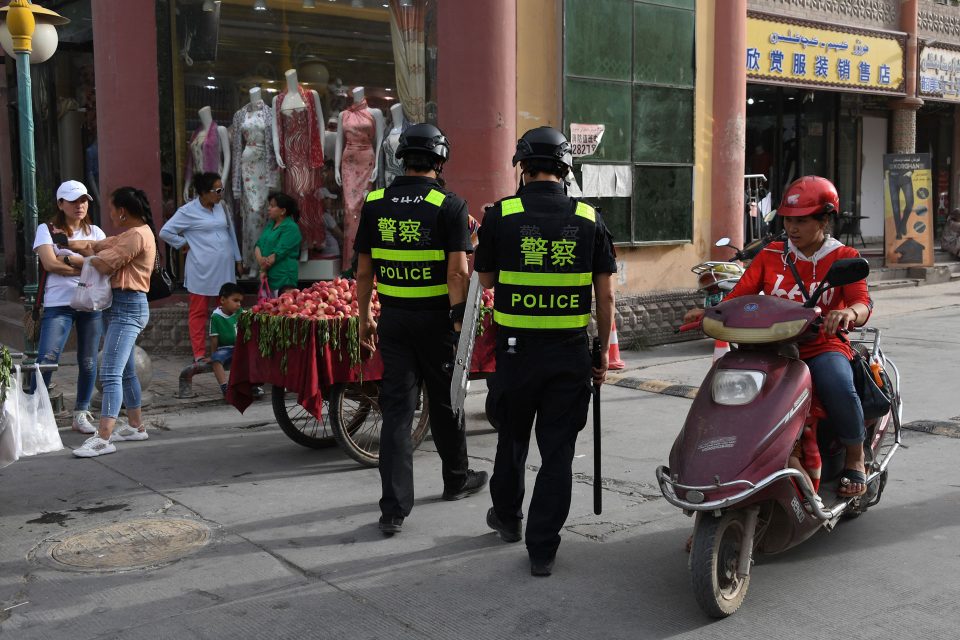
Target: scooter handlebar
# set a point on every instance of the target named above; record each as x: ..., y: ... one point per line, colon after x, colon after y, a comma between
x: 690, y: 326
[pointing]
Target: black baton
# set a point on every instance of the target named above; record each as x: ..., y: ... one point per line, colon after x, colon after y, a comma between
x: 597, y: 477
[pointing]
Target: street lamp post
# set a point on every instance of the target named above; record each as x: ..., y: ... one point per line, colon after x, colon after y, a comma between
x: 18, y: 33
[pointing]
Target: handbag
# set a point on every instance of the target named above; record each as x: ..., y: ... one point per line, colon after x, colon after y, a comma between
x: 264, y: 292
x: 874, y: 399
x: 93, y: 292
x: 38, y: 426
x: 161, y: 284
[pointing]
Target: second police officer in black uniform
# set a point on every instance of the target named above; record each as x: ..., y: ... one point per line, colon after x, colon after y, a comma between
x: 543, y: 251
x: 413, y: 238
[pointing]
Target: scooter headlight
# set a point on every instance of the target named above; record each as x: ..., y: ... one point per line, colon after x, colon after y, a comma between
x: 736, y: 386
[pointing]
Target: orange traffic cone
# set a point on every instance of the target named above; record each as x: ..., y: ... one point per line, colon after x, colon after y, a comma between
x: 720, y: 348
x: 614, y: 354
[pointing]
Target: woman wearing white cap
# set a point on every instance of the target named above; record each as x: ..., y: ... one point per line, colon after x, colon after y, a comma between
x: 63, y: 273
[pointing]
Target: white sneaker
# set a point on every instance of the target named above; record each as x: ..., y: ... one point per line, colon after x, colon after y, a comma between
x: 83, y: 422
x: 125, y: 432
x: 92, y: 447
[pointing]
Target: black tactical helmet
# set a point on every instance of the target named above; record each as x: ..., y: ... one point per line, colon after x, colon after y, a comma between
x: 424, y: 137
x: 546, y: 143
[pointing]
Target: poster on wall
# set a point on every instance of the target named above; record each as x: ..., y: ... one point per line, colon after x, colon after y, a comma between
x: 907, y: 197
x: 585, y: 138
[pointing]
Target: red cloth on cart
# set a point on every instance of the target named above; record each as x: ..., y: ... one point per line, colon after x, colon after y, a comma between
x: 312, y: 370
x: 248, y: 367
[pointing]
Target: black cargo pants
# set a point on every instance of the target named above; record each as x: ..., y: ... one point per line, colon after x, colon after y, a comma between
x: 416, y: 346
x: 547, y: 380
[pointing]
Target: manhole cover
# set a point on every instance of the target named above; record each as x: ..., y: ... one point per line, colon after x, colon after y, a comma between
x: 132, y: 544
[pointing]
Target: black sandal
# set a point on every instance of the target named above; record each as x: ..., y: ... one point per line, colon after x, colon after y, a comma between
x: 850, y: 477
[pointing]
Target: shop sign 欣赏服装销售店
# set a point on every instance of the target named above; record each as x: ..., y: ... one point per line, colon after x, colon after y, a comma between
x: 804, y: 53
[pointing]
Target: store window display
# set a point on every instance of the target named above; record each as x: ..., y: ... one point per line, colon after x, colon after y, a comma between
x: 299, y: 149
x: 256, y: 174
x: 209, y: 150
x: 359, y: 136
x: 306, y: 63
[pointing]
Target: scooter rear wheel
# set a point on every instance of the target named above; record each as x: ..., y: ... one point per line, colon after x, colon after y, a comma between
x: 714, y: 559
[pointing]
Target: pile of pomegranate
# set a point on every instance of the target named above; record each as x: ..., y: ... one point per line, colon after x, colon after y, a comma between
x: 323, y: 300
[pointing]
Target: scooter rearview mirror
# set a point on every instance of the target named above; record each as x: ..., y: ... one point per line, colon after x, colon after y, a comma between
x: 847, y: 271
x: 842, y: 272
x: 723, y: 242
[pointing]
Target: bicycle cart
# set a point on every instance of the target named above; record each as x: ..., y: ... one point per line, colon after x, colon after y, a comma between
x: 325, y: 392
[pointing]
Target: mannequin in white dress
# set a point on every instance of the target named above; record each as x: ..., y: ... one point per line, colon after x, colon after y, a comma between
x: 200, y: 159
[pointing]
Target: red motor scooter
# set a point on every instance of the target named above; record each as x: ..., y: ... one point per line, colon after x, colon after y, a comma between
x: 730, y: 463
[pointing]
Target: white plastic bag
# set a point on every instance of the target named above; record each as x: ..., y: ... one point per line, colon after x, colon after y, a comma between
x: 10, y: 442
x: 38, y: 426
x: 93, y: 292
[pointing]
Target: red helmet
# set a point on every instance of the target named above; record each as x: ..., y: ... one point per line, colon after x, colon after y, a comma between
x: 809, y: 195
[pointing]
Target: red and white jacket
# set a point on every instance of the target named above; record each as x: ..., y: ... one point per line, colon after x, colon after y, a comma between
x: 769, y: 274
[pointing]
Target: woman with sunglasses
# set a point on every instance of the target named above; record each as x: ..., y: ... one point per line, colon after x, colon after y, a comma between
x: 204, y: 231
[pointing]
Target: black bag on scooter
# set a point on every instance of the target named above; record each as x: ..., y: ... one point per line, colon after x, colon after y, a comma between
x: 875, y: 401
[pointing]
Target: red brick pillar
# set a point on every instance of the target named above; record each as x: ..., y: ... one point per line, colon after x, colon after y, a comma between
x: 904, y: 138
x: 477, y: 97
x: 128, y: 103
x: 729, y: 125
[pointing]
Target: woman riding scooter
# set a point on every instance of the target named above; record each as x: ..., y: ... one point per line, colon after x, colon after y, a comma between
x: 806, y: 207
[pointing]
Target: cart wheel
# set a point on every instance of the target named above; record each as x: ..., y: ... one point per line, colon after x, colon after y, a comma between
x: 299, y: 425
x: 355, y: 420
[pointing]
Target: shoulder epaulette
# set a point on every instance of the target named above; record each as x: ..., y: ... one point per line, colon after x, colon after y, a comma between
x: 586, y: 211
x: 511, y: 206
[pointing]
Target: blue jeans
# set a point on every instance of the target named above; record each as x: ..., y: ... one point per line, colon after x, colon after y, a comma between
x: 54, y: 331
x: 833, y: 382
x: 223, y: 355
x: 126, y: 318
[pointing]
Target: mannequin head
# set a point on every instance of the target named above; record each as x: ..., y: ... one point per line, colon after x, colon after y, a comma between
x: 129, y: 207
x: 291, y: 76
x: 358, y: 94
x: 206, y: 116
x: 255, y: 96
x: 396, y: 115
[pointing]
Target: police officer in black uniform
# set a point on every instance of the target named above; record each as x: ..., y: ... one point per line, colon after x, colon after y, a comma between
x: 543, y: 251
x: 413, y: 238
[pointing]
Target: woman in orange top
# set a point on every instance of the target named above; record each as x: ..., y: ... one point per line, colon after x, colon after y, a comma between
x: 130, y: 257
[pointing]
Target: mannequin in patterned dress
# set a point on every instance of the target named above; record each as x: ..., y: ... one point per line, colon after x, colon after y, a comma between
x: 298, y: 144
x: 359, y: 137
x: 256, y: 173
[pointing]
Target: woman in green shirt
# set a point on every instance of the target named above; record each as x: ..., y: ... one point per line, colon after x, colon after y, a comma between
x: 278, y: 248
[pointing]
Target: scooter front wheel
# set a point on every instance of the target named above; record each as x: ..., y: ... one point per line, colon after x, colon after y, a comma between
x: 714, y: 559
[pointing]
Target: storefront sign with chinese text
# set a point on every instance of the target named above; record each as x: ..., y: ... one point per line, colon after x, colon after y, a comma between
x: 798, y: 52
x: 908, y: 220
x: 939, y: 73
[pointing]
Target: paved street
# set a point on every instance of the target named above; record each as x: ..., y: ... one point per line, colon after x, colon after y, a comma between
x: 295, y: 552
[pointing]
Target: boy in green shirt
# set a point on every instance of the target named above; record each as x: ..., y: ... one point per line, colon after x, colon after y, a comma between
x: 223, y: 331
